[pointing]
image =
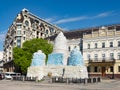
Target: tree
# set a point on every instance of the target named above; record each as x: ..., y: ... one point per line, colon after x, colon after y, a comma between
x: 23, y: 56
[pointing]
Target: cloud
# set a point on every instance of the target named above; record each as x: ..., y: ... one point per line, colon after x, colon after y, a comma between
x: 70, y: 19
x: 73, y: 19
x: 105, y: 14
x: 49, y: 19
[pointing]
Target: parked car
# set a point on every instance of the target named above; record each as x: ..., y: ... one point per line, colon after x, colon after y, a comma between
x: 0, y: 76
x: 10, y: 75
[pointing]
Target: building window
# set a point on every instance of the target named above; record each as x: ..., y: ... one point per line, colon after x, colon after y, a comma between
x: 18, y: 41
x: 19, y: 26
x: 37, y: 32
x: 95, y: 69
x: 103, y: 45
x: 88, y: 56
x: 18, y: 38
x: 26, y: 23
x: 103, y: 56
x: 88, y: 46
x: 19, y: 44
x: 88, y: 68
x: 96, y: 57
x: 24, y: 32
x: 46, y: 31
x: 34, y: 26
x: 111, y: 68
x: 111, y: 44
x: 42, y: 34
x: 118, y: 43
x: 111, y: 56
x: 18, y: 32
x: 117, y: 28
x: 75, y: 46
x: 119, y: 56
x: 51, y: 29
x: 10, y: 53
x: 23, y: 38
x: 9, y: 58
x: 118, y: 68
x: 95, y: 45
x: 69, y: 49
x: 15, y: 43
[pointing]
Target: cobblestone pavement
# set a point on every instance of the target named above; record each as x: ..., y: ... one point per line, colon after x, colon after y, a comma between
x: 20, y: 85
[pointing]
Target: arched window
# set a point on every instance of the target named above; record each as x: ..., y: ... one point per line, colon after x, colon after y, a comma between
x: 26, y: 23
x: 46, y: 31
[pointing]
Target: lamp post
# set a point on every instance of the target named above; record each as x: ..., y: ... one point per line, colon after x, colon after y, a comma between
x: 63, y: 71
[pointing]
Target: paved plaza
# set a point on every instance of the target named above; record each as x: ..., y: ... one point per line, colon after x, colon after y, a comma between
x: 20, y: 85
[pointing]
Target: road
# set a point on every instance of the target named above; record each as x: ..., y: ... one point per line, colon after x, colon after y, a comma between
x: 20, y: 85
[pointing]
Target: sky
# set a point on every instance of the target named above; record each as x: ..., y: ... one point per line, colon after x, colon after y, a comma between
x: 66, y: 14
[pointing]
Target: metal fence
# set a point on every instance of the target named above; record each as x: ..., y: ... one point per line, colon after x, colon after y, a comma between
x: 23, y: 78
x: 60, y: 79
x: 75, y: 80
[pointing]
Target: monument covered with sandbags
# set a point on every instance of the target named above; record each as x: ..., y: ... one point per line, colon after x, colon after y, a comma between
x: 59, y: 62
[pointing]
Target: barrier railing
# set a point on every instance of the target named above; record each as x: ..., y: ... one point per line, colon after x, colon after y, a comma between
x: 61, y: 79
x: 76, y: 80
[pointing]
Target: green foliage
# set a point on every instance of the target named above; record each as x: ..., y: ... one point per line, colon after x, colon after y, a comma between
x: 23, y: 56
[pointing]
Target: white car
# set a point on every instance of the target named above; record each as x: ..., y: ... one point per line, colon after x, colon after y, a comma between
x: 9, y: 75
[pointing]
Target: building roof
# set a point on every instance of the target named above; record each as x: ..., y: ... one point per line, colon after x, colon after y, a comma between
x: 74, y: 34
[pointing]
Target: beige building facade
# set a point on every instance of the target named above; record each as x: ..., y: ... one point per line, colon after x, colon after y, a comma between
x: 101, y: 51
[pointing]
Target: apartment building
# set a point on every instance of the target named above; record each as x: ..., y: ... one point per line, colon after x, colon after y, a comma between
x: 26, y: 26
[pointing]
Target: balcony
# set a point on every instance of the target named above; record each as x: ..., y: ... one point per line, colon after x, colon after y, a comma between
x: 101, y: 60
x: 100, y: 49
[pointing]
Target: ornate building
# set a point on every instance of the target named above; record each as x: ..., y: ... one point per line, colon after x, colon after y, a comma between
x: 101, y: 51
x: 26, y: 26
x: 100, y: 46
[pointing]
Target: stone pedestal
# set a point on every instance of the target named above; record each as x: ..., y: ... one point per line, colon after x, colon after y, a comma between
x: 59, y: 71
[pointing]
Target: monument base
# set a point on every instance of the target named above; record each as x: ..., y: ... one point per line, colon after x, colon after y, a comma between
x: 59, y: 71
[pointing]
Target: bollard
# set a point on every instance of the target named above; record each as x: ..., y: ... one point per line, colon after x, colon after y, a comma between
x: 80, y: 80
x: 94, y: 80
x: 11, y: 78
x: 84, y: 81
x: 50, y: 80
x: 23, y: 78
x: 98, y: 79
x: 67, y: 80
x: 36, y: 79
x: 91, y: 80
